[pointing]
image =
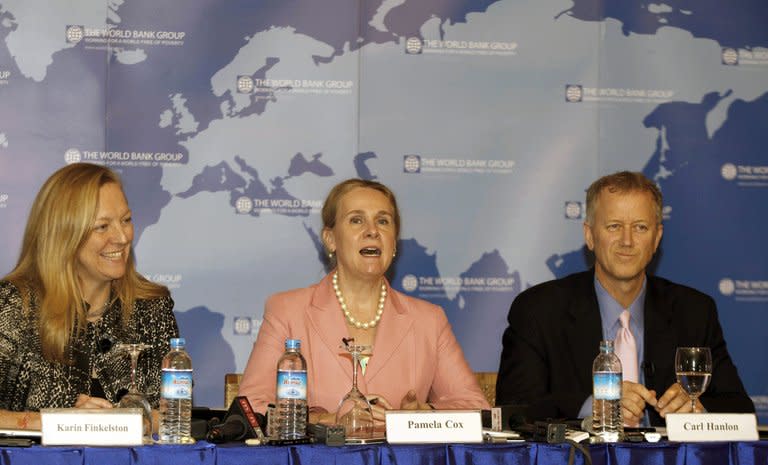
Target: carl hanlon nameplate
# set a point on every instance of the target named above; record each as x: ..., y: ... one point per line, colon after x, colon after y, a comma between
x: 91, y: 427
x: 434, y: 426
x: 699, y: 427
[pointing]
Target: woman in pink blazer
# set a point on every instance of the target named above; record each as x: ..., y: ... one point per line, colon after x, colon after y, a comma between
x: 416, y: 362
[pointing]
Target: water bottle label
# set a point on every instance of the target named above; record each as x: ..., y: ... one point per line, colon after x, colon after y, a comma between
x: 177, y: 384
x: 607, y: 386
x: 291, y: 384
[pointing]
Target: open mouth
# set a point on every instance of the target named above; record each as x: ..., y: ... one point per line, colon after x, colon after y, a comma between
x: 370, y: 252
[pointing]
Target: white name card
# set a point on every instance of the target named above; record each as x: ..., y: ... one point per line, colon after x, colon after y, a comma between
x: 91, y: 427
x: 434, y: 426
x: 700, y: 427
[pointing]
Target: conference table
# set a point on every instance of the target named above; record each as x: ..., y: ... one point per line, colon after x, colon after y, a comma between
x: 718, y: 453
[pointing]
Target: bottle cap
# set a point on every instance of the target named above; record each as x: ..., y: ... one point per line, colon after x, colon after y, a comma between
x: 177, y: 342
x: 606, y: 346
x: 293, y: 344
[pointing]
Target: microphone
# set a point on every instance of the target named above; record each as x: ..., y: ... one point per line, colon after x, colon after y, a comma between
x: 505, y: 417
x: 199, y: 427
x: 239, y: 424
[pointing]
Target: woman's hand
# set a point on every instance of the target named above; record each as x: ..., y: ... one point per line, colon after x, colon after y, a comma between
x: 86, y: 401
x: 20, y: 420
x: 322, y: 416
x: 379, y: 407
x: 411, y: 402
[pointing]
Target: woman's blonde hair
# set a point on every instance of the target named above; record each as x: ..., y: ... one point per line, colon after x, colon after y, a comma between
x: 60, y: 221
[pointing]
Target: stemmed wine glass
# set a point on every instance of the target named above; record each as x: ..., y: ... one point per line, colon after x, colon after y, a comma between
x: 135, y: 398
x: 354, y: 411
x: 693, y: 367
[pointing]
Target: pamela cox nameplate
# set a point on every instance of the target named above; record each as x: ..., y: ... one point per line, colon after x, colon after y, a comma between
x: 700, y: 427
x: 91, y: 427
x: 434, y: 426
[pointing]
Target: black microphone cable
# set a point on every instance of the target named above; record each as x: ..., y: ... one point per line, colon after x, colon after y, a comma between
x: 234, y: 428
x: 584, y: 451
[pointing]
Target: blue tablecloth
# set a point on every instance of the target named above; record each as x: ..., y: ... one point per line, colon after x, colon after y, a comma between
x: 460, y: 454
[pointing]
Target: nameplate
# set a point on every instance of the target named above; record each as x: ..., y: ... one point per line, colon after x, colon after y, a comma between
x: 434, y: 426
x: 91, y: 427
x: 701, y: 427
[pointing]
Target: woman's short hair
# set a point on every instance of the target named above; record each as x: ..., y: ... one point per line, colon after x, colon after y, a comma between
x: 331, y: 204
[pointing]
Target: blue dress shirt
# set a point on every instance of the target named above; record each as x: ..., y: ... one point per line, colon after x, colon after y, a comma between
x: 610, y: 310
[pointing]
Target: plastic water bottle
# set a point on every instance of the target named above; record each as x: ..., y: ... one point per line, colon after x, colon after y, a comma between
x: 607, y: 423
x: 176, y: 396
x: 292, y: 392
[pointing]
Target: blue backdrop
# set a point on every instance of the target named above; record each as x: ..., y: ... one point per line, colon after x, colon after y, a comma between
x: 229, y: 121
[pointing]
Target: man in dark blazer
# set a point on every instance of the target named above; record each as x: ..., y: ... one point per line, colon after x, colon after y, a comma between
x: 555, y: 327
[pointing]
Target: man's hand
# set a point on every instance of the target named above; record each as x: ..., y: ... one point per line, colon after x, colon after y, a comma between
x: 634, y: 398
x: 676, y: 400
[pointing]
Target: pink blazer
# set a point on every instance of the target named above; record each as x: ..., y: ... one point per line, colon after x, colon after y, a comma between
x: 414, y: 349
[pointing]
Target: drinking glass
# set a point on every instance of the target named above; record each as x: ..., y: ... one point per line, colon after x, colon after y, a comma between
x: 693, y: 367
x: 355, y: 412
x: 135, y: 398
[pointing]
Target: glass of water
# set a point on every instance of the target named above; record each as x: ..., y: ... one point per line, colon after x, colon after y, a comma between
x: 693, y: 367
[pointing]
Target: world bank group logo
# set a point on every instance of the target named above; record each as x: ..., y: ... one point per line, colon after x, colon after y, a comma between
x: 243, y: 205
x: 74, y: 34
x: 242, y: 326
x: 413, y: 46
x: 3, y: 200
x: 728, y: 171
x: 729, y: 56
x: 410, y: 283
x: 72, y: 156
x: 412, y: 164
x: 244, y: 84
x: 574, y: 210
x: 169, y: 280
x: 574, y: 93
x: 726, y: 286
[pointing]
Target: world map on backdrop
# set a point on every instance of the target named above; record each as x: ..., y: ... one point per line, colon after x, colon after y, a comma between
x: 230, y: 121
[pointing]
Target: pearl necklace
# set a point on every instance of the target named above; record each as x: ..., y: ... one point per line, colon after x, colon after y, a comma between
x: 352, y: 321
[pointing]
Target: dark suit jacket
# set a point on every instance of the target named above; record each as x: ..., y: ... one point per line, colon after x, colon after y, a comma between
x: 554, y: 334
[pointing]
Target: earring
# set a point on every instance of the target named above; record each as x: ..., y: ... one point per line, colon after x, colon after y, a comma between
x: 394, y: 254
x: 330, y: 255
